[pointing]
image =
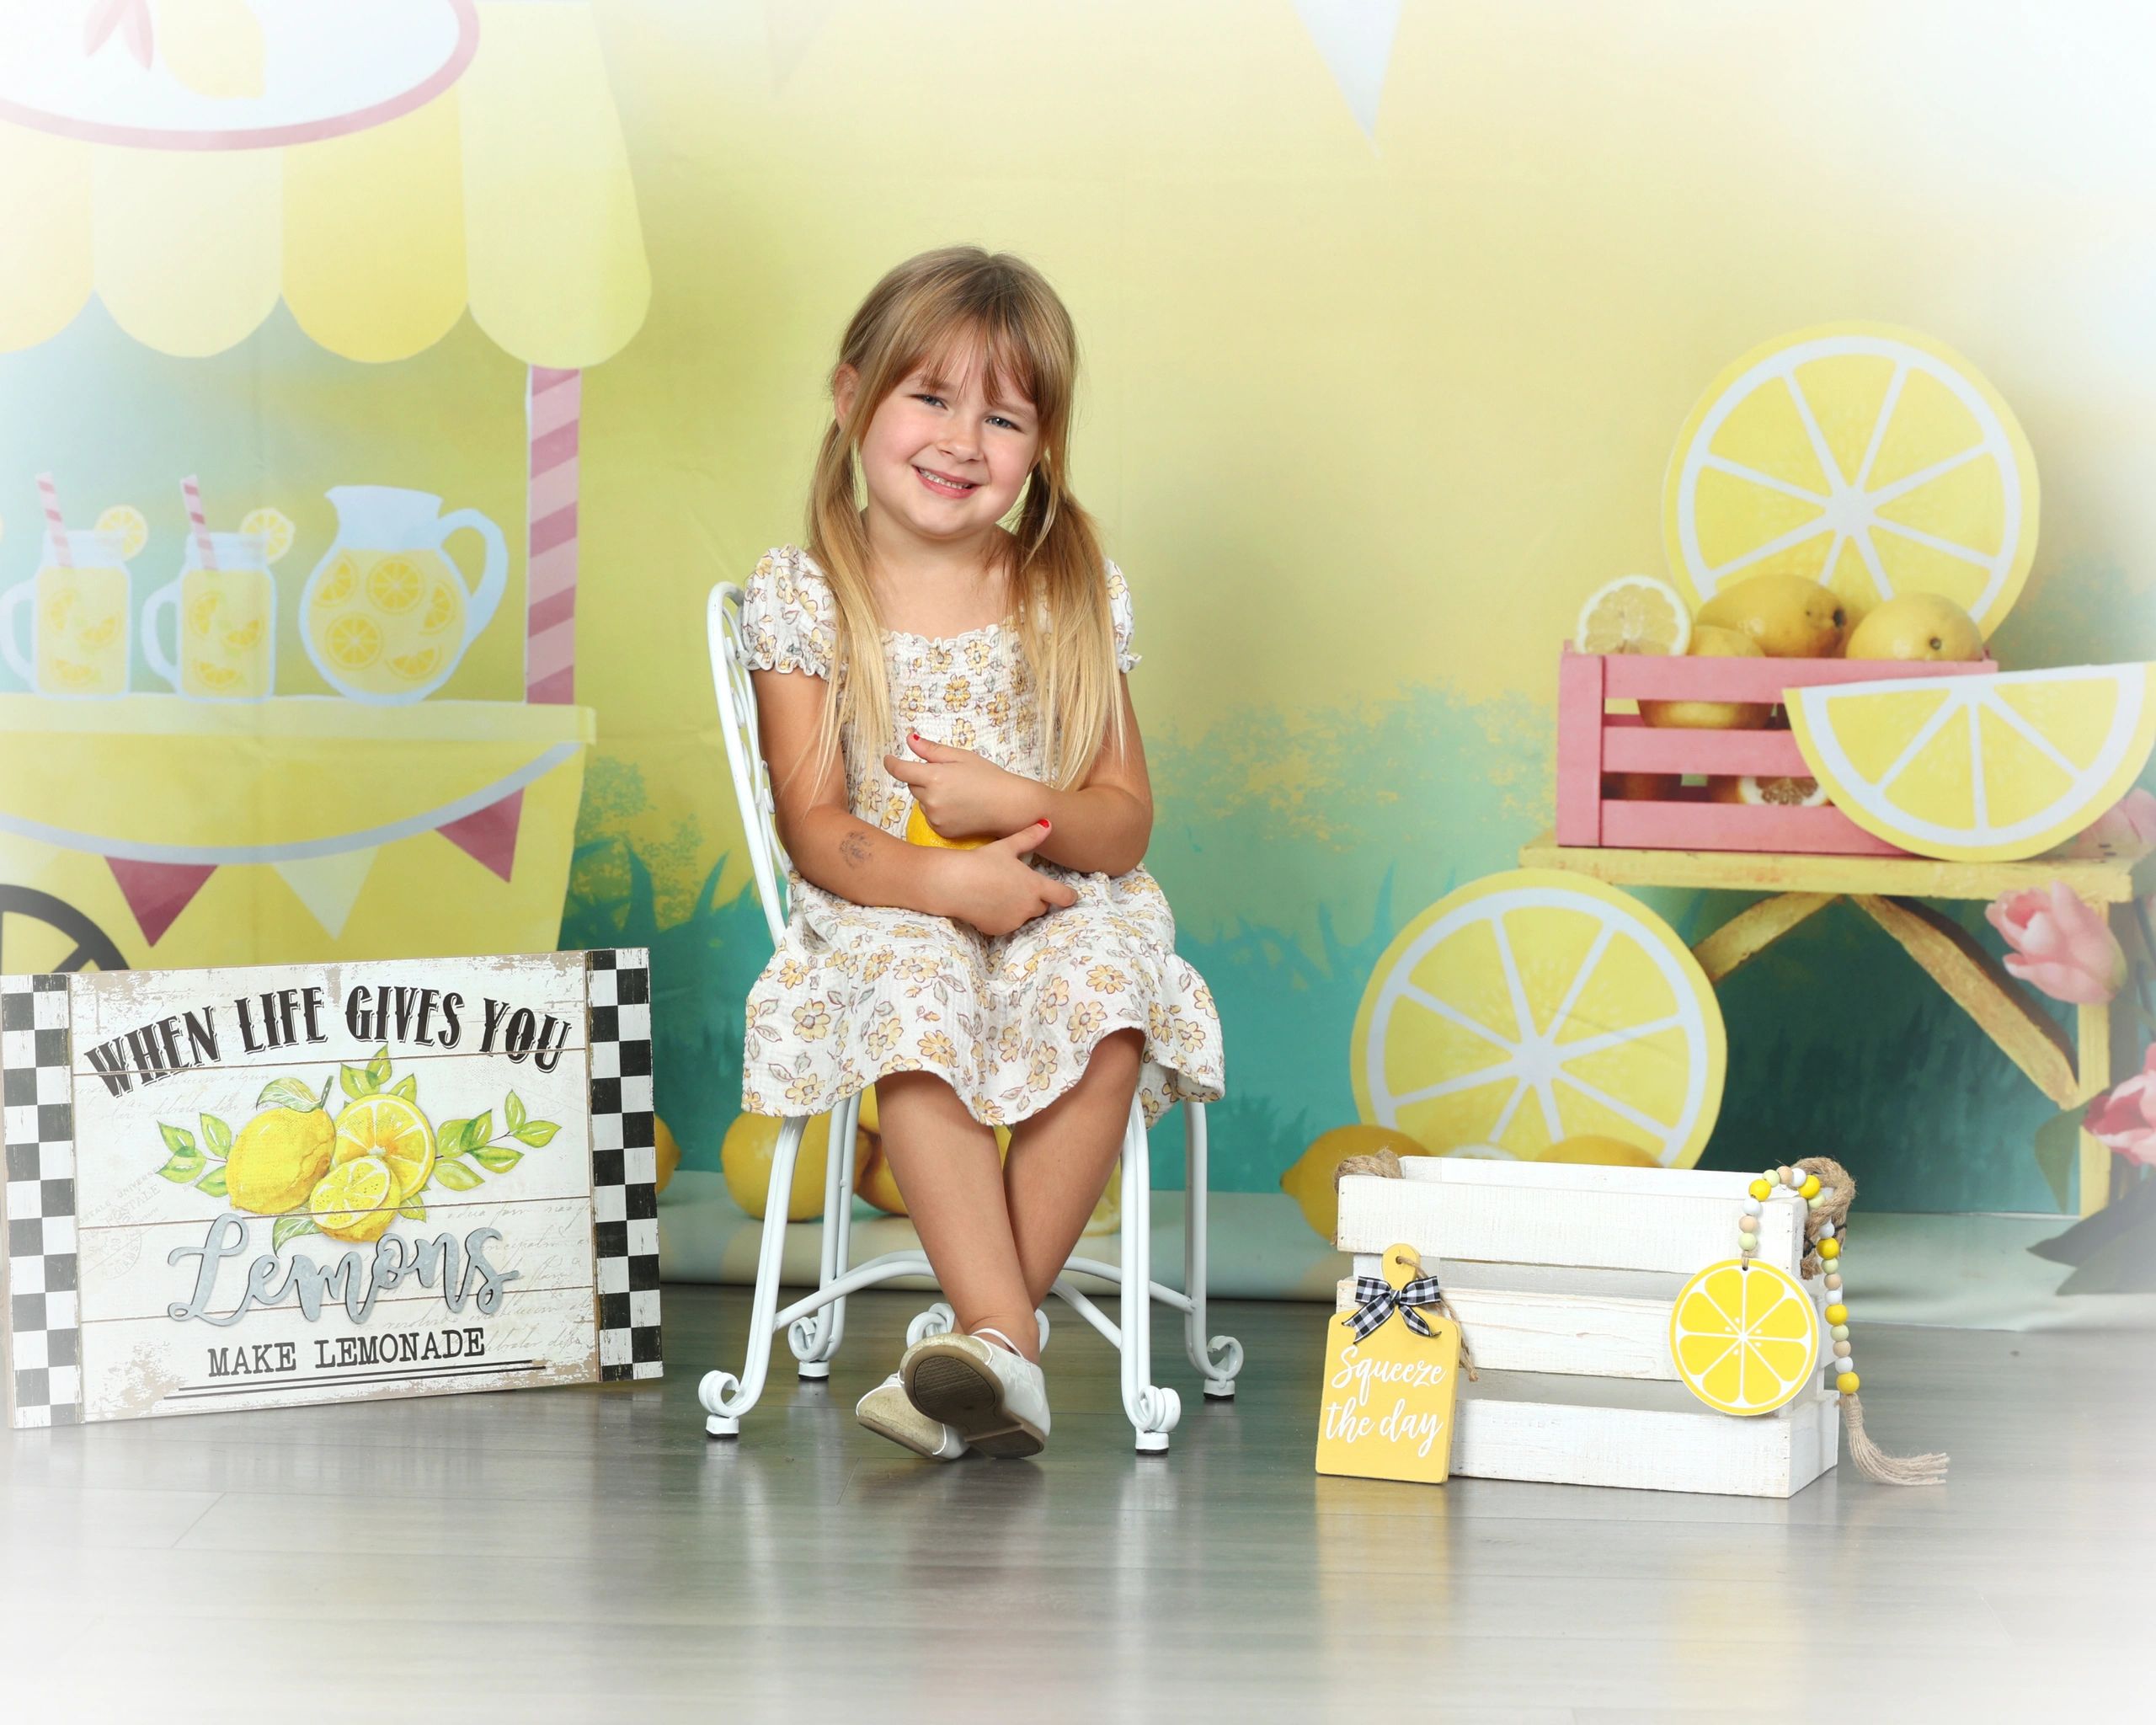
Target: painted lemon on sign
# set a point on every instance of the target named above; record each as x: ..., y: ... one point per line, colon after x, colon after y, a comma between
x: 277, y: 1157
x: 357, y: 1200
x: 1871, y: 459
x: 1744, y: 1337
x: 1978, y: 769
x: 1532, y: 1006
x: 392, y: 1127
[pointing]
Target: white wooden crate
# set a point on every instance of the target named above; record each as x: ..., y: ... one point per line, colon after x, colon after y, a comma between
x: 1563, y: 1277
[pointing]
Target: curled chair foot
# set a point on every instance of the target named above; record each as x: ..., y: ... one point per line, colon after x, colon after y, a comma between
x: 720, y: 1393
x: 1222, y: 1363
x: 938, y: 1320
x: 1154, y: 1411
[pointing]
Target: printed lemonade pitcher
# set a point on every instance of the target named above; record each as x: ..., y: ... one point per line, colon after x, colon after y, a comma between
x: 226, y: 644
x: 386, y: 616
x: 79, y: 606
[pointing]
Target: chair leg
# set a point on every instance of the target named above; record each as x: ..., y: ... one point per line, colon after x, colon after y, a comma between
x: 1153, y: 1409
x: 1219, y: 1373
x: 726, y: 1398
x: 816, y: 1339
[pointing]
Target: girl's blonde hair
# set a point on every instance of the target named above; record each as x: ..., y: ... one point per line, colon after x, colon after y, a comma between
x: 950, y: 303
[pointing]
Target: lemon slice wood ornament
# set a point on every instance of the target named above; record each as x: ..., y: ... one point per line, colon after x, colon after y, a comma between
x: 1744, y: 1337
x: 1534, y: 1005
x: 1872, y: 459
x: 1979, y: 769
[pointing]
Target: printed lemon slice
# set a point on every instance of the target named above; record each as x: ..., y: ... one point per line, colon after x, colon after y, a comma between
x: 445, y: 605
x: 1634, y: 614
x: 356, y: 1200
x: 1531, y: 1007
x: 201, y: 613
x: 394, y: 584
x: 353, y: 642
x: 339, y: 581
x: 1744, y: 1337
x: 1979, y: 769
x: 393, y: 1129
x: 247, y: 635
x: 1874, y: 460
x: 222, y: 678
x: 101, y: 633
x: 274, y: 529
x: 126, y: 521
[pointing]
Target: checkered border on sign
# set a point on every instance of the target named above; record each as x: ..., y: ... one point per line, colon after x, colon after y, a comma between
x: 37, y: 1127
x: 624, y: 1162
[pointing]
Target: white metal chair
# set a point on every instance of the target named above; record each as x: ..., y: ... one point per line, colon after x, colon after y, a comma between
x: 816, y: 1323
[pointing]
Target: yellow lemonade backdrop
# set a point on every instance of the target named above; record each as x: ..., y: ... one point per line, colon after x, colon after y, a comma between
x: 1390, y: 317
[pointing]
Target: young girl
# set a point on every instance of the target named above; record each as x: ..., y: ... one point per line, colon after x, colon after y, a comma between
x: 961, y: 789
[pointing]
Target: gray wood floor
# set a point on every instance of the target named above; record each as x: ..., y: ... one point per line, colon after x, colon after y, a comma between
x: 587, y: 1554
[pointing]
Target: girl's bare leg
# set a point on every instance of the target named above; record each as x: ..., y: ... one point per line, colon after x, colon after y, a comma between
x: 1060, y: 1158
x: 945, y: 1162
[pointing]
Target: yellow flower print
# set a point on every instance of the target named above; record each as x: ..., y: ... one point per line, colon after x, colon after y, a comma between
x: 1053, y: 997
x: 803, y: 1093
x: 812, y: 1021
x: 907, y: 930
x: 963, y: 734
x: 883, y: 1035
x: 999, y: 712
x: 912, y: 703
x: 936, y: 1046
x: 939, y: 657
x: 977, y: 653
x: 875, y: 964
x: 1106, y: 979
x: 895, y: 810
x: 792, y: 973
x: 1087, y: 1019
x: 1010, y: 1042
x: 1041, y: 1068
x: 957, y: 691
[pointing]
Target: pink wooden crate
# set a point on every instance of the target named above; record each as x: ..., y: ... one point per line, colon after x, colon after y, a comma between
x: 1593, y: 741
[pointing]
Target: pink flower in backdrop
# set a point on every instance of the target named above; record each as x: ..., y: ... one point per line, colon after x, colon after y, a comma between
x: 2060, y: 945
x: 2125, y: 1118
x: 2128, y: 824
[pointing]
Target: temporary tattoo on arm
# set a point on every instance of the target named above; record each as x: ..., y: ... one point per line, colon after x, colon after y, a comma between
x: 854, y: 848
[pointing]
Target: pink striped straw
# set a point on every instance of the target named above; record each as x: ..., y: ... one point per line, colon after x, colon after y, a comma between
x: 49, y: 493
x: 191, y: 491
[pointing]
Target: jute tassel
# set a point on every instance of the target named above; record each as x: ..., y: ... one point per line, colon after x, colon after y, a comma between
x: 1871, y: 1461
x: 1385, y: 1164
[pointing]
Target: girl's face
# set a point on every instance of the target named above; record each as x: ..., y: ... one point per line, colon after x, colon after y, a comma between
x: 946, y: 452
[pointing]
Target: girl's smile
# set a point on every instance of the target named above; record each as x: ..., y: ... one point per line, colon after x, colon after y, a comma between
x: 946, y: 454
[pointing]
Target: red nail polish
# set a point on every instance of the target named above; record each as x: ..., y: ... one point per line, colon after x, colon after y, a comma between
x: 1044, y: 820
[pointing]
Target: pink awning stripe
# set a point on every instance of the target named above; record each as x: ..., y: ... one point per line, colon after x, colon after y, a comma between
x: 550, y: 449
x: 549, y: 531
x: 552, y: 491
x: 555, y: 608
x: 550, y: 572
x: 550, y: 650
x: 557, y: 690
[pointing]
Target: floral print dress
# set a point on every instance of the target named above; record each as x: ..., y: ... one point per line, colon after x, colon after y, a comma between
x: 857, y: 990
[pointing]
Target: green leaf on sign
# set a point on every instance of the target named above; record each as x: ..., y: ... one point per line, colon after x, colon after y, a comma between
x: 513, y: 1107
x: 357, y: 1081
x: 288, y: 1094
x: 478, y: 1129
x: 449, y: 1137
x: 291, y: 1228
x: 407, y: 1087
x: 177, y: 1139
x: 2058, y: 1147
x: 498, y: 1161
x: 212, y: 1182
x: 456, y: 1176
x: 217, y: 1135
x: 183, y: 1166
x: 536, y: 1133
x: 413, y: 1212
x: 378, y: 1068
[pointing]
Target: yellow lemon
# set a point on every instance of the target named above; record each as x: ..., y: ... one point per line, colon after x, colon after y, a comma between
x: 1309, y: 1180
x: 126, y: 521
x: 354, y: 642
x: 1529, y: 1006
x: 745, y: 1159
x: 666, y: 1150
x: 1599, y: 1148
x: 340, y: 581
x: 1744, y: 1337
x: 1710, y: 641
x: 920, y: 832
x: 1752, y: 791
x: 201, y: 613
x: 274, y: 527
x: 276, y: 1159
x: 1634, y: 614
x: 1919, y: 626
x: 210, y: 674
x: 445, y: 607
x: 247, y: 635
x: 71, y: 675
x: 357, y: 1199
x: 394, y: 584
x: 1980, y: 769
x: 1871, y: 460
x: 1786, y: 616
x: 393, y: 1129
x: 417, y: 667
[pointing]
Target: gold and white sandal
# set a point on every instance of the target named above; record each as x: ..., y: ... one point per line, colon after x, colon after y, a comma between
x: 886, y: 1411
x: 992, y: 1397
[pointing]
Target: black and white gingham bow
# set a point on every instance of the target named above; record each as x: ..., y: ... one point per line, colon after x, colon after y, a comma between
x: 1376, y: 1301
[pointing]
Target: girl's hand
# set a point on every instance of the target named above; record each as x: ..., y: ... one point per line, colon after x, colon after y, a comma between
x: 963, y: 795
x: 998, y: 890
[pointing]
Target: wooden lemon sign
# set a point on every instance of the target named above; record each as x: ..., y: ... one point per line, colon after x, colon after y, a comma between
x: 1387, y: 1407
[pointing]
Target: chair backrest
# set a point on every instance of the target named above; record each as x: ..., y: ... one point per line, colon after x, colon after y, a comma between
x: 745, y: 753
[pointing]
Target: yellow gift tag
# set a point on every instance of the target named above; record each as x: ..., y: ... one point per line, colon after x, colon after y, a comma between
x: 1386, y: 1412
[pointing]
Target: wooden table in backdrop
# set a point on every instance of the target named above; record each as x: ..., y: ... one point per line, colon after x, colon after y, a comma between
x: 1892, y: 890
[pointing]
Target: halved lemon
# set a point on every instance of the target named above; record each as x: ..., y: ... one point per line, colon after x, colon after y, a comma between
x: 1634, y: 614
x: 1873, y: 459
x: 1744, y: 1337
x: 1979, y: 769
x: 275, y: 528
x: 1534, y: 1005
x: 126, y: 521
x: 389, y: 1127
x: 356, y: 1200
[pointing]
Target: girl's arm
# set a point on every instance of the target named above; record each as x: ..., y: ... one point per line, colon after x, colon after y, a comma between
x: 843, y: 854
x: 1101, y: 827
